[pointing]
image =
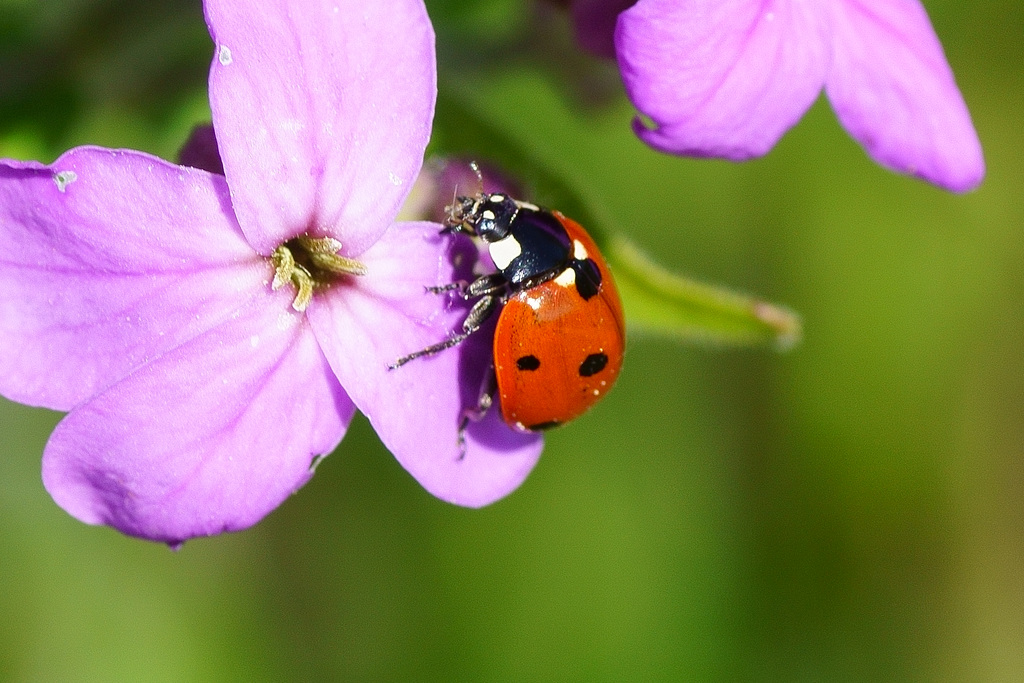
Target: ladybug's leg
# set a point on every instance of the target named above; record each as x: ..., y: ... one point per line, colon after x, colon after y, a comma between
x: 441, y: 289
x: 478, y: 315
x: 482, y: 286
x: 490, y: 292
x: 486, y: 285
x: 488, y: 388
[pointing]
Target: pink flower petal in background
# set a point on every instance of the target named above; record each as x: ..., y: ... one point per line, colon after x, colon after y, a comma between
x: 200, y: 150
x: 893, y: 90
x: 727, y: 78
x: 595, y: 24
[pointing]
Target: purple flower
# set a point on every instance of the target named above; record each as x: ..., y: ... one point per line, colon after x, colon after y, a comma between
x: 726, y: 78
x: 595, y: 24
x: 212, y: 335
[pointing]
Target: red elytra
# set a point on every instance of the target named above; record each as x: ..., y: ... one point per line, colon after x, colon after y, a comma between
x: 555, y: 353
x: 560, y: 336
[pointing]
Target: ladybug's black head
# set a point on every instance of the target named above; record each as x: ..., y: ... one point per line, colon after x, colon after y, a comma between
x: 488, y: 216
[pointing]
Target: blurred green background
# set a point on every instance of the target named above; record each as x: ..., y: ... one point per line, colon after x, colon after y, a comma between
x: 852, y: 510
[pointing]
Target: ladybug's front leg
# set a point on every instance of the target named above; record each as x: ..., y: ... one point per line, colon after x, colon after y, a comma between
x: 482, y: 286
x: 490, y: 292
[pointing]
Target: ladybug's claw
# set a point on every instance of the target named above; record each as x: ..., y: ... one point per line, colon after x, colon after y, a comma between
x: 477, y: 412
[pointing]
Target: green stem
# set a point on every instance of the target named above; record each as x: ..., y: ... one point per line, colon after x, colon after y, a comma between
x: 666, y: 304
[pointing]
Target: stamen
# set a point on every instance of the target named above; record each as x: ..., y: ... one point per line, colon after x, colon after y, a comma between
x: 304, y: 286
x: 284, y: 266
x: 323, y: 253
x: 308, y: 263
x: 287, y: 270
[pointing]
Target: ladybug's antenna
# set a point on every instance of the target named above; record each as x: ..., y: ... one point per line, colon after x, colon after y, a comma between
x: 453, y: 211
x: 479, y: 177
x: 455, y: 202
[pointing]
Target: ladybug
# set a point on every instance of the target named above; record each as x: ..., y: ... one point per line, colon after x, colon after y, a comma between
x: 560, y: 335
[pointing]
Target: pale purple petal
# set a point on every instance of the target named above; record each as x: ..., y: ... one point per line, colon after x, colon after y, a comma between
x: 594, y: 21
x: 209, y: 437
x: 108, y: 259
x: 722, y: 78
x: 323, y: 111
x: 416, y: 409
x: 892, y: 88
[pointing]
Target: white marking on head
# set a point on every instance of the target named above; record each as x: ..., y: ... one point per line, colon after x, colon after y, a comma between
x: 566, y: 278
x: 579, y: 252
x: 534, y: 302
x: 504, y: 251
x: 497, y: 198
x: 487, y: 215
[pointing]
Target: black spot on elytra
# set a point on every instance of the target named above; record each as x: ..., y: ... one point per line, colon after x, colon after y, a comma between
x: 588, y: 278
x: 528, y: 363
x: 544, y: 426
x: 593, y: 364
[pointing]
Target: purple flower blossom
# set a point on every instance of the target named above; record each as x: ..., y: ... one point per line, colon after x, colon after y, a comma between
x: 727, y: 78
x: 595, y: 24
x: 212, y: 335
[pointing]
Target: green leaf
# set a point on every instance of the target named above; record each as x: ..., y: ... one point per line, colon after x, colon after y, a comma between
x: 663, y: 303
x: 656, y: 301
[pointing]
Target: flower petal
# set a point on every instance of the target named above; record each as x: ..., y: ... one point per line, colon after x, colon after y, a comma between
x: 323, y: 111
x: 892, y: 88
x: 416, y: 409
x: 206, y: 439
x: 108, y: 259
x: 721, y: 78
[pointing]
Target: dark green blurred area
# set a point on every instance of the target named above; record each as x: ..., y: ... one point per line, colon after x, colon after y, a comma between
x: 852, y: 510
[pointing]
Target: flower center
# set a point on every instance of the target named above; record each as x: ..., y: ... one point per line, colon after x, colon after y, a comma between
x: 310, y: 263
